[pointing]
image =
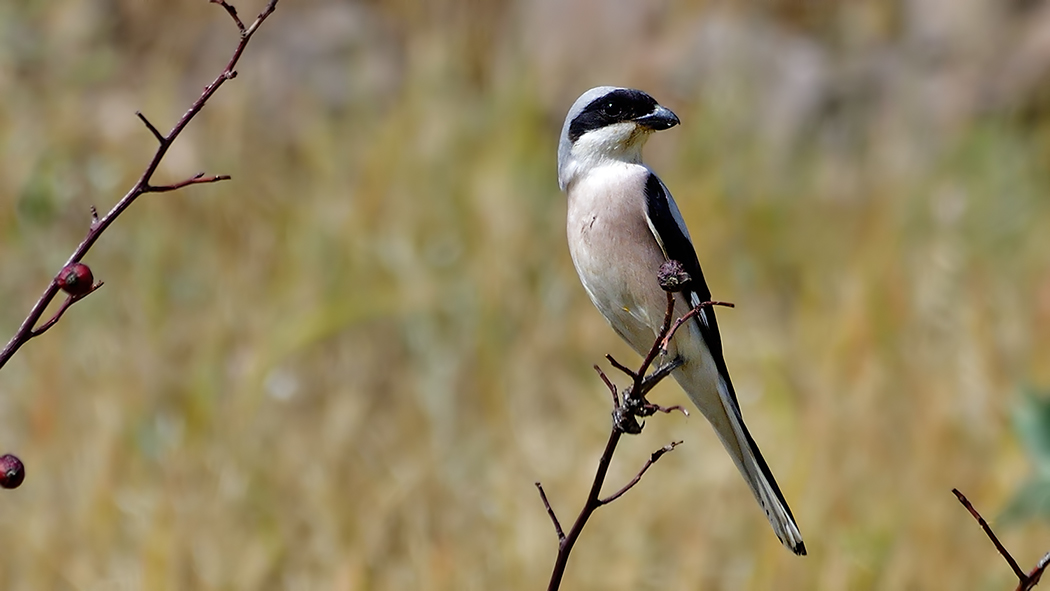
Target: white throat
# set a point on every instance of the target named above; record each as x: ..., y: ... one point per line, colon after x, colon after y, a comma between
x: 619, y: 143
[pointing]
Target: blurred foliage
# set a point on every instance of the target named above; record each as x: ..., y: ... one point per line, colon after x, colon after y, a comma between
x: 1032, y: 423
x: 345, y: 368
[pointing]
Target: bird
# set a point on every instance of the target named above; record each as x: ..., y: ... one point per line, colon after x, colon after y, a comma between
x: 622, y: 225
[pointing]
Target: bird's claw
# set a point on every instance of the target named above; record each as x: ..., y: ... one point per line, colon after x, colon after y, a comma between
x: 625, y: 421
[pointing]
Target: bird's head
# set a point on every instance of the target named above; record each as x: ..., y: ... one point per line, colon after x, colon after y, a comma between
x: 608, y: 123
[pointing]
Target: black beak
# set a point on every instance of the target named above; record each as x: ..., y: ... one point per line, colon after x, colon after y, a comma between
x: 661, y: 118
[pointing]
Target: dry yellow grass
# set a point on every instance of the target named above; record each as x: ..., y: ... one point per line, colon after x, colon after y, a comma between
x: 345, y: 368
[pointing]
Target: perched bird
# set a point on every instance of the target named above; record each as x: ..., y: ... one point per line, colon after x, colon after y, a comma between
x: 623, y: 225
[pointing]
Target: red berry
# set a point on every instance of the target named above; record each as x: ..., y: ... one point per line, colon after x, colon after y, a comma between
x: 12, y: 471
x: 75, y: 279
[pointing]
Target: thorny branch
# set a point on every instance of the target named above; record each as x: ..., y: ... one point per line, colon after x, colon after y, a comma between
x: 626, y: 411
x: 1025, y: 581
x: 29, y: 327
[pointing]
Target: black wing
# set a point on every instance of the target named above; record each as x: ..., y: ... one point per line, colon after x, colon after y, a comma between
x: 670, y: 232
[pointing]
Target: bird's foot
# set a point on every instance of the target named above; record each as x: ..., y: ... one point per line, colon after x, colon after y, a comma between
x: 625, y: 421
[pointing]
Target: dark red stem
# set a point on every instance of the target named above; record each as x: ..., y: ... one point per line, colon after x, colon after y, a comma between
x: 99, y: 225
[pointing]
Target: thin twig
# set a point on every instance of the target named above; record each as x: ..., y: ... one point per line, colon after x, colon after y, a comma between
x: 70, y: 300
x: 262, y: 16
x: 612, y: 387
x: 650, y: 381
x: 565, y: 544
x: 198, y: 179
x: 613, y: 362
x: 685, y: 318
x: 99, y: 225
x: 152, y: 129
x: 233, y: 13
x: 1025, y: 581
x: 638, y: 477
x: 550, y: 512
x: 991, y: 535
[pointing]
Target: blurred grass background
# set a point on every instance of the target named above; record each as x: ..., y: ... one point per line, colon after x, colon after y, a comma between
x: 345, y: 368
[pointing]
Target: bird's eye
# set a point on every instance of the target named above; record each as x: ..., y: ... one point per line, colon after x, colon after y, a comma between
x: 611, y: 110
